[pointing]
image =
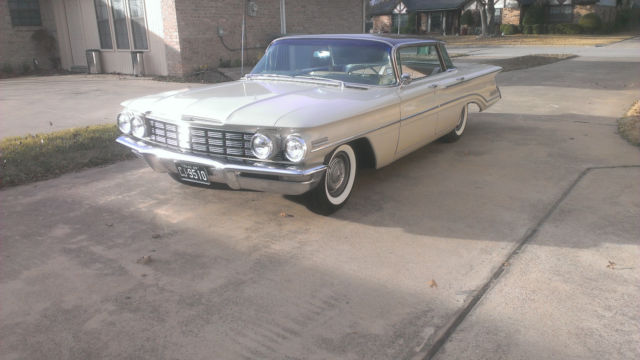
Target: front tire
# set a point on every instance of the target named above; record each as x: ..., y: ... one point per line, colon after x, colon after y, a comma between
x: 457, y: 132
x: 336, y: 185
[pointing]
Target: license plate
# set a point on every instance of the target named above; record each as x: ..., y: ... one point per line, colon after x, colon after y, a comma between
x: 193, y: 173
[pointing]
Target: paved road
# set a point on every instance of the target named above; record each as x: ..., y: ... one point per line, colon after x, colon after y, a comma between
x: 232, y: 279
x: 41, y: 104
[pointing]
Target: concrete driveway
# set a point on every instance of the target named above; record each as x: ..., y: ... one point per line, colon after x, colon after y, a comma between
x: 494, y: 247
x: 40, y: 104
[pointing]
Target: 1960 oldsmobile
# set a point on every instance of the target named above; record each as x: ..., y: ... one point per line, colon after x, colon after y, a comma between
x: 313, y: 110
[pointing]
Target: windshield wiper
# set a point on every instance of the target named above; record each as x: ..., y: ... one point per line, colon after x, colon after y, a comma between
x: 330, y: 80
x: 271, y: 76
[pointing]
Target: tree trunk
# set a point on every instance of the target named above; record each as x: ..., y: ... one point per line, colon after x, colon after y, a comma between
x: 483, y: 17
x: 491, y: 14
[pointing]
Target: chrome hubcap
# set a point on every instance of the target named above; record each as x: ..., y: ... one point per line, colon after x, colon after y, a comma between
x: 337, y: 174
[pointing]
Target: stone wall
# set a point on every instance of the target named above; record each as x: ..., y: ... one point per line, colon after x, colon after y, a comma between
x: 16, y: 44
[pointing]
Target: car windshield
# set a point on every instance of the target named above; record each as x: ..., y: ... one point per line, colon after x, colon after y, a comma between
x: 350, y: 61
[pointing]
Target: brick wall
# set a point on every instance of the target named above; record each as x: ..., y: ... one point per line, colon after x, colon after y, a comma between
x: 382, y: 24
x: 16, y: 46
x: 328, y: 16
x: 198, y: 22
x: 511, y: 16
x: 171, y: 38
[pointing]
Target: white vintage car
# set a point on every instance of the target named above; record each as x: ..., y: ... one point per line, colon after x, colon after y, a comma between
x: 313, y: 110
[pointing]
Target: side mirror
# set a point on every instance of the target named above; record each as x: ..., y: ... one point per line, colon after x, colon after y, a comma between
x: 405, y: 79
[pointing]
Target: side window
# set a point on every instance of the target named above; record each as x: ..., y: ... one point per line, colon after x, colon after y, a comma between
x: 445, y: 57
x: 419, y: 61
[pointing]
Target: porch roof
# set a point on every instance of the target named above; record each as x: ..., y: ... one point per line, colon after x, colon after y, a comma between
x: 386, y: 7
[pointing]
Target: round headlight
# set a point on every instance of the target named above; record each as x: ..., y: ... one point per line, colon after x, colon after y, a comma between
x: 295, y: 148
x: 124, y: 122
x: 137, y: 127
x: 261, y: 146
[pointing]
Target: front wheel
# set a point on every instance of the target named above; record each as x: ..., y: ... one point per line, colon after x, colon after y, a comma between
x: 456, y: 133
x: 335, y: 187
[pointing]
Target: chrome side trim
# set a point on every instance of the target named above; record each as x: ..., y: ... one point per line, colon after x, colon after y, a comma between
x: 420, y: 113
x: 346, y: 140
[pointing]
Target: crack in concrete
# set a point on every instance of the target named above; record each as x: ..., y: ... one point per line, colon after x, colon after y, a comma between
x: 443, y: 335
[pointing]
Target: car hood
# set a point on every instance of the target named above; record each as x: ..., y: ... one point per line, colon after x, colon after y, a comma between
x: 258, y: 103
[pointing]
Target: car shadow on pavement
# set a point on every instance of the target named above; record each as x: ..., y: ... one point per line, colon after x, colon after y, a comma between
x: 494, y: 184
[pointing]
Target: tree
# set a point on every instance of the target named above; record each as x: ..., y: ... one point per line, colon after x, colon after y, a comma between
x: 487, y: 16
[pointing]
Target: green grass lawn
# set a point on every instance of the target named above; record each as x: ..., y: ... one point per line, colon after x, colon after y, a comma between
x: 43, y: 156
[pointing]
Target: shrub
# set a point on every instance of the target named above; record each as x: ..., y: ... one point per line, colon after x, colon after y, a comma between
x: 527, y: 29
x: 590, y: 22
x: 534, y: 15
x: 467, y: 18
x: 538, y: 29
x: 508, y: 29
x: 571, y: 29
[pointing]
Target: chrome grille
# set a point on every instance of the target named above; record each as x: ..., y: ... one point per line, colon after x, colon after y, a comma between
x: 202, y: 140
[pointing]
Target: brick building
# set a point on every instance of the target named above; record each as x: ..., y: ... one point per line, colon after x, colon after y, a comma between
x: 175, y: 36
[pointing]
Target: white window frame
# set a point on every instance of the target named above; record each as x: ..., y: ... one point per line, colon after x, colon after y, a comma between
x: 112, y: 30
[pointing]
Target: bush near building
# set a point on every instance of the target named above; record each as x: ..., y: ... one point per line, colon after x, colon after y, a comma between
x: 509, y: 29
x: 590, y: 22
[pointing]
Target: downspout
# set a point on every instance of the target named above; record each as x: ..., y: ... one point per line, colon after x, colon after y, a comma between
x: 364, y: 16
x: 244, y: 12
x: 283, y: 18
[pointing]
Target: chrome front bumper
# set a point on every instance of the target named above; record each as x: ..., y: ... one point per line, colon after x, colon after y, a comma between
x: 281, y: 179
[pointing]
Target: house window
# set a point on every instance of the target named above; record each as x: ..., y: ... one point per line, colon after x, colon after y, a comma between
x: 436, y: 22
x: 104, y: 29
x: 560, y: 14
x: 120, y: 24
x: 138, y: 28
x: 124, y: 20
x: 25, y: 13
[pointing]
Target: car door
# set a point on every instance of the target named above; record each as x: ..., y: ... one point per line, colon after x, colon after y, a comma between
x: 419, y: 98
x: 449, y: 93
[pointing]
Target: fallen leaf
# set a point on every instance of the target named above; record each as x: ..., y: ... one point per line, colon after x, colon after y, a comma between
x: 284, y: 214
x: 156, y: 236
x: 506, y: 263
x: 144, y: 260
x: 611, y: 265
x: 433, y: 284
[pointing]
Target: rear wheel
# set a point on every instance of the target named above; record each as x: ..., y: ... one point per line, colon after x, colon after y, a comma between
x: 456, y: 133
x: 335, y: 187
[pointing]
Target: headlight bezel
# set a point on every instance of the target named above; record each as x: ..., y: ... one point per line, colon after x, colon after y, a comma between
x: 124, y: 122
x: 270, y: 145
x: 303, y: 148
x: 135, y: 128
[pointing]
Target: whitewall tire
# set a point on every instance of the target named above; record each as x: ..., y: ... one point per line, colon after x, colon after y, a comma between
x: 457, y: 132
x: 336, y: 185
